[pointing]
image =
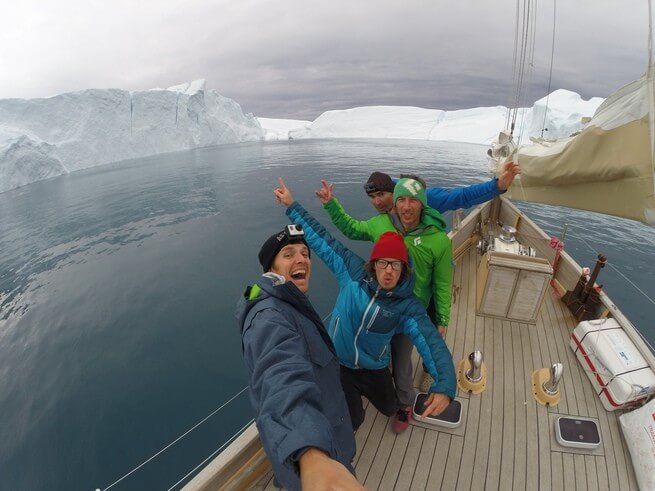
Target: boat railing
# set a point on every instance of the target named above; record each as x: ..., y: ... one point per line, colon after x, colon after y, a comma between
x: 464, y: 228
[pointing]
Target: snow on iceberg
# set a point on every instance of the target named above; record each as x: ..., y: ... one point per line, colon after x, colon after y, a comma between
x: 564, y: 113
x: 478, y: 125
x: 41, y: 138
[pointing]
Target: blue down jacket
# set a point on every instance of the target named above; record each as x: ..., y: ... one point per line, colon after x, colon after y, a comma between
x: 365, y: 317
x: 443, y: 199
x: 295, y: 389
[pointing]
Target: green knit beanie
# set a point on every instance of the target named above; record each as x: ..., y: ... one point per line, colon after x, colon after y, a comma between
x: 411, y: 188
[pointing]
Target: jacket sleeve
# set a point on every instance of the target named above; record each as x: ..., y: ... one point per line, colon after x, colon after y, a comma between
x: 283, y: 389
x: 345, y: 264
x: 443, y: 199
x: 347, y: 225
x: 432, y: 349
x: 442, y: 278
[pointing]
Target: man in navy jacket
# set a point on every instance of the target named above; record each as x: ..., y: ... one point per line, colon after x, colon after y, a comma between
x: 295, y: 390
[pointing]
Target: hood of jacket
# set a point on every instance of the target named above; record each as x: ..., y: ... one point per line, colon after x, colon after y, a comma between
x: 430, y: 216
x: 274, y: 285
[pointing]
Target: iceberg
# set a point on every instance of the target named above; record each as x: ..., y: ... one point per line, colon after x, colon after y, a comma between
x: 42, y: 138
x: 564, y: 112
x: 278, y: 129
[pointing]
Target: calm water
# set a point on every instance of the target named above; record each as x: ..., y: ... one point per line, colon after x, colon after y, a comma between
x: 118, y: 285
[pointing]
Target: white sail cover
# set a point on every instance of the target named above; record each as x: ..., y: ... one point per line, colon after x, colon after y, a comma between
x: 607, y: 167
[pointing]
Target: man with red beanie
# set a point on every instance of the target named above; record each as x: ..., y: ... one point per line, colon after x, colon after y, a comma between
x: 375, y: 301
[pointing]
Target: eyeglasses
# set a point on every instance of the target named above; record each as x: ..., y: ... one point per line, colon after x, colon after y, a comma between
x: 383, y: 263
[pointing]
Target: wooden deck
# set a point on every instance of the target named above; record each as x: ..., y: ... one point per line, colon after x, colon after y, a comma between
x: 506, y: 439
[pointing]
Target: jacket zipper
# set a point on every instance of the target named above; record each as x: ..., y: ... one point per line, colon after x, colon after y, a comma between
x: 361, y: 326
x: 336, y: 329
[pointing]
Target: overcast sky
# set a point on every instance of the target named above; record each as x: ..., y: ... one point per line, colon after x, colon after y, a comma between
x: 298, y: 58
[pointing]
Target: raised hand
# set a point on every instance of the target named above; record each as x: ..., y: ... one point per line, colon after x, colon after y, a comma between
x: 325, y: 194
x: 282, y: 193
x: 510, y: 170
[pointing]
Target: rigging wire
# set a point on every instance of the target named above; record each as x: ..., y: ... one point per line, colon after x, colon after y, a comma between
x: 230, y: 440
x: 550, y: 74
x: 650, y: 299
x: 608, y: 263
x: 522, y: 58
x: 214, y: 453
x: 532, y: 20
x: 510, y: 104
x: 523, y: 54
x: 176, y: 440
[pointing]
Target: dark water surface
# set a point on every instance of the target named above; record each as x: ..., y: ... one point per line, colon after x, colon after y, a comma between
x: 118, y: 285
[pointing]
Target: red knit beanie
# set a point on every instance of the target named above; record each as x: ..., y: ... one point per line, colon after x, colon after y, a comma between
x: 391, y: 245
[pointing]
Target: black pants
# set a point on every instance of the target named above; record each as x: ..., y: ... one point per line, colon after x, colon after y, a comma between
x: 375, y: 385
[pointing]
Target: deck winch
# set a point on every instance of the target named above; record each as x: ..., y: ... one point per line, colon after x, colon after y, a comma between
x: 545, y: 384
x: 505, y: 242
x: 472, y: 373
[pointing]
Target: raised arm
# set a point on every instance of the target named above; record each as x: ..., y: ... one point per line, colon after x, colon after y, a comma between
x: 345, y: 264
x: 436, y: 356
x: 443, y: 199
x: 347, y: 225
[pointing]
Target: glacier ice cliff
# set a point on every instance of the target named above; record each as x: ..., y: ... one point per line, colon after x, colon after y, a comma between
x: 563, y: 116
x: 42, y: 138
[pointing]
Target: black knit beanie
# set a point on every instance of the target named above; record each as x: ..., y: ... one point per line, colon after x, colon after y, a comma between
x: 273, y: 245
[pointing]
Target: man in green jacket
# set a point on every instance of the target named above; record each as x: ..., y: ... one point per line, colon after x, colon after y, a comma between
x: 429, y: 247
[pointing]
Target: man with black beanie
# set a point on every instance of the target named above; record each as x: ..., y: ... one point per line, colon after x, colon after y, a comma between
x: 295, y: 389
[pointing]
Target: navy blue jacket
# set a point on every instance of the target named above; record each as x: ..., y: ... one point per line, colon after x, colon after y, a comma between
x: 293, y: 370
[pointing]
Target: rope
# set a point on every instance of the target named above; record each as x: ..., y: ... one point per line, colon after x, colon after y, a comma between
x: 175, y: 441
x: 213, y: 454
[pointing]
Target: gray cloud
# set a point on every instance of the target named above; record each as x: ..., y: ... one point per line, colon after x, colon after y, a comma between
x: 297, y: 58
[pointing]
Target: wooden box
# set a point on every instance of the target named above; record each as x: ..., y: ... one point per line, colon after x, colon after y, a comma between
x: 511, y: 286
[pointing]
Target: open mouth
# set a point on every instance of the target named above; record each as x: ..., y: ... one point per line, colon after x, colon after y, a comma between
x: 299, y: 275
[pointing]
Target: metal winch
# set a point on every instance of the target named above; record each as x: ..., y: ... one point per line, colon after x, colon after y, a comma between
x: 505, y: 242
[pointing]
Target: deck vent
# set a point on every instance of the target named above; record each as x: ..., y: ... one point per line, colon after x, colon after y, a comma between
x: 451, y: 417
x: 577, y: 432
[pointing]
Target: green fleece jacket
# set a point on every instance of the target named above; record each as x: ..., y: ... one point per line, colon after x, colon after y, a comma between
x: 428, y: 246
